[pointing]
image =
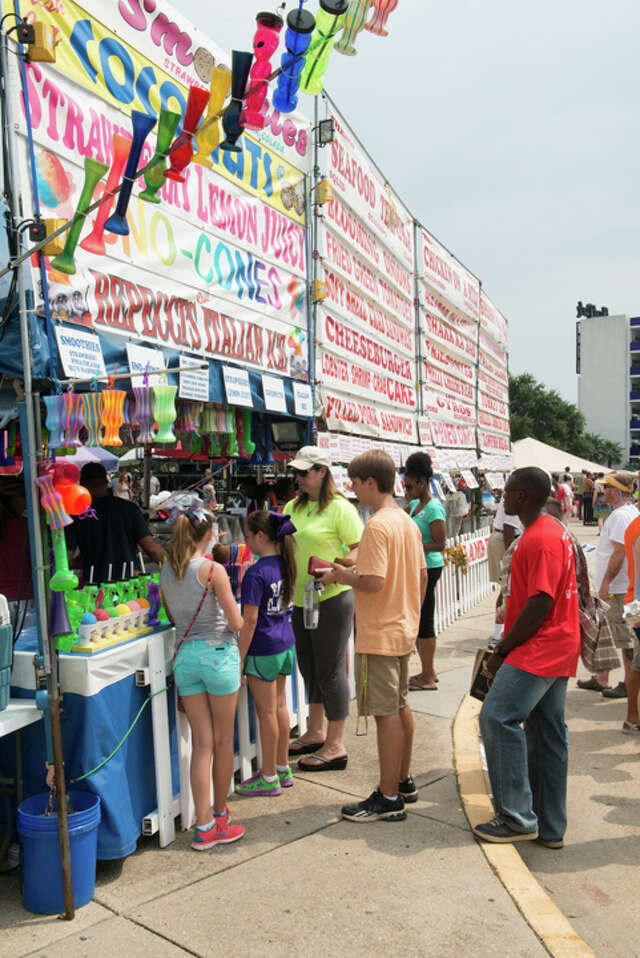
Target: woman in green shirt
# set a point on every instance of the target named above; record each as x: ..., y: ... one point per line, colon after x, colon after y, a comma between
x: 327, y: 527
x: 429, y: 515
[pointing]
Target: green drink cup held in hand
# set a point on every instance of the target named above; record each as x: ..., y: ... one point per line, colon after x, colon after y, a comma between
x: 93, y: 173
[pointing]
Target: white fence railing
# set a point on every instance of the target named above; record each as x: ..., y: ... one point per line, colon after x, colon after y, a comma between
x: 456, y: 593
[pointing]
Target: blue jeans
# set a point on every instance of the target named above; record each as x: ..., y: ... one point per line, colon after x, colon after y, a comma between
x: 527, y: 766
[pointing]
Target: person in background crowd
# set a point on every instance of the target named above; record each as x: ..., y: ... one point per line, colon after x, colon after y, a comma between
x: 253, y: 493
x: 199, y: 601
x: 612, y: 577
x: 429, y: 515
x: 601, y: 509
x: 123, y: 489
x: 267, y: 644
x: 209, y: 491
x: 389, y: 584
x: 327, y: 526
x: 154, y: 485
x: 587, y: 499
x: 113, y: 539
x: 285, y: 491
x: 505, y: 529
x: 578, y: 487
x: 631, y: 725
x: 531, y: 664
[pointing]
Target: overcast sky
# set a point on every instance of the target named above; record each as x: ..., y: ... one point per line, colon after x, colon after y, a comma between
x: 511, y: 132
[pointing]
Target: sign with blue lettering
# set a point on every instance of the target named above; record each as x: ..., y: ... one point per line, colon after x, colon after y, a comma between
x: 80, y: 353
x: 237, y: 388
x: 273, y: 391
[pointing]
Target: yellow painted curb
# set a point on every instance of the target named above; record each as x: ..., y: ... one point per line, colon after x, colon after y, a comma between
x: 546, y: 919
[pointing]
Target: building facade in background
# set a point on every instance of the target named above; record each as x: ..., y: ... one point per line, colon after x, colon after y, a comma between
x: 608, y: 367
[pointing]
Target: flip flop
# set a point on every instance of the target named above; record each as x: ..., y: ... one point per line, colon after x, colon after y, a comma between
x: 326, y: 764
x: 305, y: 749
x: 419, y: 687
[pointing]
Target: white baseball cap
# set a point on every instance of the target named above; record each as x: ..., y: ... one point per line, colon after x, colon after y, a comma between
x: 310, y: 456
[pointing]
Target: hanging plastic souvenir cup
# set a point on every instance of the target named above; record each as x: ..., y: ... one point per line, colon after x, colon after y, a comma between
x: 94, y: 242
x: 182, y: 150
x: 154, y: 176
x: 72, y: 421
x: 383, y: 9
x: 354, y: 22
x: 93, y: 173
x: 165, y: 412
x: 91, y: 418
x: 265, y: 44
x: 300, y: 26
x: 53, y: 421
x: 232, y: 120
x: 142, y: 125
x: 144, y: 414
x: 208, y: 135
x: 112, y: 415
x: 329, y: 20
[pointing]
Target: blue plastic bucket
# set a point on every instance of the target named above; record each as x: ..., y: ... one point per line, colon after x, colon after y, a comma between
x: 41, y: 870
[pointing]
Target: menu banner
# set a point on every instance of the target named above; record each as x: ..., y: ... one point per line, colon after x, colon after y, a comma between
x: 497, y: 353
x: 435, y: 305
x: 340, y: 338
x: 493, y: 405
x: 489, y: 421
x: 494, y: 369
x: 439, y: 332
x: 343, y: 298
x: 490, y: 442
x: 448, y: 277
x: 358, y: 380
x: 492, y: 320
x: 355, y: 178
x: 448, y: 435
x: 434, y: 355
x: 361, y: 418
x: 491, y: 387
x: 448, y: 384
x: 438, y: 406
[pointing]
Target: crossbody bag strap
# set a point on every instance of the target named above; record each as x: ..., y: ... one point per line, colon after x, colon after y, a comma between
x: 197, y: 612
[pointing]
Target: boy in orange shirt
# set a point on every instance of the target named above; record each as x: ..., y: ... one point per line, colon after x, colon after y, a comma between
x: 389, y: 583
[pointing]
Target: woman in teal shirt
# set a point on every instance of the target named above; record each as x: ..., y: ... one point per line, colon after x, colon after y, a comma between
x: 429, y: 515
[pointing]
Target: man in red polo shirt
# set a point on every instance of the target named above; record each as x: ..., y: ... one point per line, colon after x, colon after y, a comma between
x: 532, y: 663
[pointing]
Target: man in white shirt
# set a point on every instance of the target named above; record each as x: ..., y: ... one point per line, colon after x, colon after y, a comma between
x: 612, y: 576
x: 505, y: 530
x: 154, y: 485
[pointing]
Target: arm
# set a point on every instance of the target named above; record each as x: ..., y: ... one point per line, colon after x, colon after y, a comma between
x: 527, y: 624
x: 636, y: 564
x: 616, y: 561
x: 249, y: 622
x: 222, y: 589
x: 363, y: 583
x: 351, y: 557
x: 152, y: 548
x: 439, y: 535
x: 508, y: 534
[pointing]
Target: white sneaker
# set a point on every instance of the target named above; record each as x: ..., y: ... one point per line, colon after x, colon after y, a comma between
x: 629, y: 728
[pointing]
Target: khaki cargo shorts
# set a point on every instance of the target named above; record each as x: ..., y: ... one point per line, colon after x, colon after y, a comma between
x: 382, y: 683
x: 635, y: 661
x: 620, y: 630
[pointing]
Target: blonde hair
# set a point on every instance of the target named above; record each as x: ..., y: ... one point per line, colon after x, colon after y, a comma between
x: 188, y: 533
x: 328, y: 492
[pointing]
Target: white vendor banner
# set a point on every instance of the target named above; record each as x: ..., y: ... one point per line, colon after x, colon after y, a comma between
x: 446, y: 408
x: 490, y: 404
x: 489, y: 421
x: 438, y: 332
x: 355, y: 178
x: 340, y: 338
x: 361, y: 418
x: 497, y: 353
x: 436, y: 306
x: 362, y: 311
x: 447, y: 276
x: 492, y: 320
x: 492, y: 388
x: 435, y: 356
x: 451, y: 436
x: 494, y: 369
x: 357, y: 380
x: 490, y: 442
x: 445, y: 383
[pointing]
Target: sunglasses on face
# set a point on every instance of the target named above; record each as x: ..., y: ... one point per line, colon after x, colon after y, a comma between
x: 301, y: 473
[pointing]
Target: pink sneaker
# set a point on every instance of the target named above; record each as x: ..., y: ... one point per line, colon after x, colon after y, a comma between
x: 221, y: 833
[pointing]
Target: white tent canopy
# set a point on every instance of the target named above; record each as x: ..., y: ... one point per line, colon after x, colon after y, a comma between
x: 532, y: 452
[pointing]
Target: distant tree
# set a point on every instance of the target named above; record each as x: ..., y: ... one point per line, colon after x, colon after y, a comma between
x: 543, y: 414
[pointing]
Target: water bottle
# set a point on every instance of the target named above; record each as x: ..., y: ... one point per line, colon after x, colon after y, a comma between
x: 311, y: 613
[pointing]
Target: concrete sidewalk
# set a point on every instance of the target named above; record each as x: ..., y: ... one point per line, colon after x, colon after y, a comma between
x: 303, y: 882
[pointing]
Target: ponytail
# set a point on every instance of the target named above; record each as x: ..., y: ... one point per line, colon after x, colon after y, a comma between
x: 187, y: 534
x: 268, y: 524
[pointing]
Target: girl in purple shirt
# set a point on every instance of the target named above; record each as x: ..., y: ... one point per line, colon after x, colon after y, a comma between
x: 267, y: 643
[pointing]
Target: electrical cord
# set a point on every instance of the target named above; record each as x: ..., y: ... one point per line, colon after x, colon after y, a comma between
x: 79, y: 778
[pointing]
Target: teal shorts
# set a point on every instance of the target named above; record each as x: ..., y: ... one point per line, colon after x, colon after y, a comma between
x: 269, y: 667
x: 207, y: 666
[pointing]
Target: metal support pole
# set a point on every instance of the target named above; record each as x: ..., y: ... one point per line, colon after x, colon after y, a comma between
x: 30, y: 459
x: 146, y: 477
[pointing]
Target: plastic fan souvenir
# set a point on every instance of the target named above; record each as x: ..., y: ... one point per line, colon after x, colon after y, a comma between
x: 232, y: 120
x: 112, y: 415
x: 93, y: 173
x: 142, y: 125
x: 57, y: 518
x: 265, y: 44
x: 165, y: 412
x: 91, y: 418
x: 182, y: 149
x: 72, y: 421
x: 300, y: 25
x: 53, y: 421
x: 383, y: 9
x: 154, y: 176
x: 354, y: 22
x: 94, y: 242
x: 208, y: 135
x: 329, y: 20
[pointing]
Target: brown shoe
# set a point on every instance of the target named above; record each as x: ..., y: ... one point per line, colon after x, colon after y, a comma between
x: 592, y: 685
